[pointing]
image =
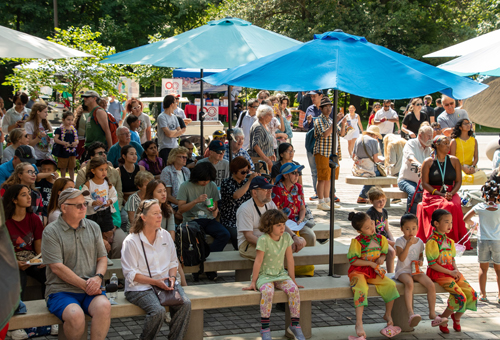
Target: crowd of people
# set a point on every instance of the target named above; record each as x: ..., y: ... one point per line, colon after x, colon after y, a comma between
x: 132, y: 191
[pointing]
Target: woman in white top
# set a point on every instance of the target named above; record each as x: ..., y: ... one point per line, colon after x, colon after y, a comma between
x: 353, y: 128
x: 15, y: 116
x: 59, y: 186
x: 142, y: 248
x: 17, y: 137
x: 39, y: 128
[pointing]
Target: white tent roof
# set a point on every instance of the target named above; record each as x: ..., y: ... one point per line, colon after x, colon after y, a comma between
x: 467, y: 46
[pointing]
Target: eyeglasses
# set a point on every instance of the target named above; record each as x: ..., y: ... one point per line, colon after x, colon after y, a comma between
x: 31, y: 172
x: 136, y: 107
x: 290, y: 151
x: 466, y: 123
x: 437, y: 129
x: 244, y: 172
x: 79, y: 206
x: 449, y: 104
x: 101, y: 153
x: 419, y: 104
x: 183, y: 157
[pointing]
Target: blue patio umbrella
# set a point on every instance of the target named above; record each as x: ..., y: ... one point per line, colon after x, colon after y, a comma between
x: 220, y: 44
x: 340, y: 61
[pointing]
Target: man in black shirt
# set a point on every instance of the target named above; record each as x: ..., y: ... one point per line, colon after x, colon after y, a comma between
x: 428, y: 109
x: 439, y: 109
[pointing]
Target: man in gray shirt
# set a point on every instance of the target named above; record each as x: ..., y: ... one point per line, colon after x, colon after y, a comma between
x: 116, y: 109
x: 216, y: 157
x: 168, y: 128
x: 450, y: 116
x: 73, y: 250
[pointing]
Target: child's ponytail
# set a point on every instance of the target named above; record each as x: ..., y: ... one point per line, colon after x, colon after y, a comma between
x: 357, y: 219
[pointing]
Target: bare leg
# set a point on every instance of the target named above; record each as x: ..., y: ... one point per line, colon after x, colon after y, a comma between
x: 72, y: 174
x: 100, y: 310
x: 497, y: 271
x: 483, y: 273
x: 388, y: 311
x: 389, y: 261
x: 350, y: 146
x: 74, y: 322
x: 360, y: 331
x: 320, y: 188
x: 63, y: 173
x: 408, y: 282
x: 431, y: 293
x: 326, y: 188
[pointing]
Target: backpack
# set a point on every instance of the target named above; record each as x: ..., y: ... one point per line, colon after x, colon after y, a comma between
x: 310, y: 140
x: 192, y: 247
x: 112, y: 123
x: 240, y: 121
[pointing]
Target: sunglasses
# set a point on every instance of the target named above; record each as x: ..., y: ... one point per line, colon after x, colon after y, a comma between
x: 244, y: 172
x: 136, y: 107
x: 419, y: 104
x: 79, y: 206
x: 437, y: 129
x: 295, y: 173
x: 183, y: 157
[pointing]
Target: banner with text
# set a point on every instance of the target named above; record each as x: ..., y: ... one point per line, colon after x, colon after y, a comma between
x: 212, y: 113
x: 171, y: 86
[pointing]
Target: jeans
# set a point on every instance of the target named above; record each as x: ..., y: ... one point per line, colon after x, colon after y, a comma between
x: 381, y: 143
x: 155, y: 314
x: 409, y: 187
x: 234, y: 236
x: 217, y: 231
x: 314, y: 172
x: 365, y: 189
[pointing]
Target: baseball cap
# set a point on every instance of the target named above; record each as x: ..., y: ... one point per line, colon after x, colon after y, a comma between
x: 25, y: 154
x: 260, y: 182
x: 325, y: 101
x: 49, y: 161
x: 315, y: 92
x: 219, y: 133
x: 70, y: 193
x: 286, y: 169
x: 216, y: 145
x: 91, y: 94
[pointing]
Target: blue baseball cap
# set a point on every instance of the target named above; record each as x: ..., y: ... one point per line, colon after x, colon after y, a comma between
x: 260, y: 182
x: 286, y: 169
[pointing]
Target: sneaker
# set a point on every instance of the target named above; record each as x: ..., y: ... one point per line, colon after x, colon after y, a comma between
x: 54, y: 330
x: 266, y: 334
x: 110, y: 263
x: 313, y: 198
x: 168, y: 318
x: 336, y: 199
x: 323, y: 206
x: 362, y: 200
x: 20, y: 334
x: 396, y: 200
x: 297, y: 332
x: 337, y: 206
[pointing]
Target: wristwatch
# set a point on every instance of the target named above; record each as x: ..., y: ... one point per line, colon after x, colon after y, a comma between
x: 100, y: 276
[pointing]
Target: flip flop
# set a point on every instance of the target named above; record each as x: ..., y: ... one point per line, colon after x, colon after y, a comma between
x: 353, y: 337
x: 414, y: 320
x: 390, y: 331
x: 483, y: 299
x: 439, y: 321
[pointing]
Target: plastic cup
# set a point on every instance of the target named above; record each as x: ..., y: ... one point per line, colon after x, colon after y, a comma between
x: 209, y: 202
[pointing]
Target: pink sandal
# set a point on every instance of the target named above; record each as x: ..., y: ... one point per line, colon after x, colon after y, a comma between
x: 414, y: 320
x: 353, y: 337
x: 439, y: 321
x: 390, y: 331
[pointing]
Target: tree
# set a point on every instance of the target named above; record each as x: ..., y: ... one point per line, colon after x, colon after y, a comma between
x: 71, y: 74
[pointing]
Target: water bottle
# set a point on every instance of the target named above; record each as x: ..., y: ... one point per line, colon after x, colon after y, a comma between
x: 113, y: 280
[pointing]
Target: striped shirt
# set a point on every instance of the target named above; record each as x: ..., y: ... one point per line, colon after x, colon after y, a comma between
x: 323, y: 145
x: 261, y: 137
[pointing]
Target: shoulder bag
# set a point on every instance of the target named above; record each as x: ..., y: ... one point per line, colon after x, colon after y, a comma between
x: 380, y: 166
x: 166, y: 297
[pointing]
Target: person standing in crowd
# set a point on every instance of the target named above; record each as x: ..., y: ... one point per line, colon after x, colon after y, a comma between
x: 39, y: 128
x: 304, y: 102
x: 146, y: 242
x: 353, y: 128
x: 248, y: 218
x: 169, y: 129
x: 234, y: 192
x: 97, y: 127
x: 428, y: 109
x: 116, y: 109
x: 439, y: 108
x: 414, y: 118
x: 385, y: 119
x: 262, y: 95
x: 150, y: 160
x: 80, y: 124
x: 287, y: 117
x: 261, y: 140
x: 75, y: 274
x: 16, y: 116
x: 216, y: 158
x: 450, y: 117
x: 237, y: 147
x: 114, y: 154
x: 134, y: 124
x: 246, y: 120
x: 134, y: 107
x: 66, y: 141
x: 17, y: 137
x: 376, y: 106
x: 313, y: 110
x: 59, y: 186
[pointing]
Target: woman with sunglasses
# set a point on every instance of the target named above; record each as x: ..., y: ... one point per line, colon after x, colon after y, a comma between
x: 414, y: 118
x: 286, y: 153
x: 134, y: 107
x: 146, y: 242
x: 234, y: 192
x: 18, y: 137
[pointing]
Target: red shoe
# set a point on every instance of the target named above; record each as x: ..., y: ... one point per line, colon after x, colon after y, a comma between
x: 444, y: 329
x: 362, y: 200
x: 336, y: 200
x: 456, y: 325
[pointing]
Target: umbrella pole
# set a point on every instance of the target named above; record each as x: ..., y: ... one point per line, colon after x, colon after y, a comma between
x: 229, y: 119
x: 202, y: 139
x: 333, y: 165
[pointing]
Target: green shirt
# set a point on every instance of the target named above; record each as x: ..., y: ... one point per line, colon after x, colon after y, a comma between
x: 273, y: 265
x: 94, y: 131
x: 189, y: 191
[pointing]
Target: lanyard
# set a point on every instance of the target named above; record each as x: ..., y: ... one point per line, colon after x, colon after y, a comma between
x: 257, y: 208
x: 444, y: 167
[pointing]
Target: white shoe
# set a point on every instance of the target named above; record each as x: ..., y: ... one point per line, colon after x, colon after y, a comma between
x: 110, y: 263
x: 323, y: 206
x: 168, y: 318
x: 19, y: 334
x: 54, y: 329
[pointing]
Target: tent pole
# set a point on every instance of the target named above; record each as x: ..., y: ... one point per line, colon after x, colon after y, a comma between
x: 333, y: 165
x: 229, y: 119
x: 200, y: 117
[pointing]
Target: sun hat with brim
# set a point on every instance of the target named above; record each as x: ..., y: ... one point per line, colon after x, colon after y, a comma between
x: 325, y: 101
x: 70, y: 193
x: 286, y: 169
x: 492, y: 146
x: 374, y: 130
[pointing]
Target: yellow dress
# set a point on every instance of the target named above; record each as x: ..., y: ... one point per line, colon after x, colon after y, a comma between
x: 465, y: 154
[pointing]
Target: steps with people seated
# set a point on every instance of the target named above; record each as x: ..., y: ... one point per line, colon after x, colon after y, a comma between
x: 227, y: 295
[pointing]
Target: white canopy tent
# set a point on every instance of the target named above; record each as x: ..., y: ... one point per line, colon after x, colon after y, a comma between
x: 468, y: 46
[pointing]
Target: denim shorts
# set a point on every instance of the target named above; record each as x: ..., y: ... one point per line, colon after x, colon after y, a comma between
x: 58, y: 302
x: 488, y: 250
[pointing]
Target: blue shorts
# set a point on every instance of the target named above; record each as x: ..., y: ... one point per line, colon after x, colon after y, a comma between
x: 58, y: 302
x: 488, y: 250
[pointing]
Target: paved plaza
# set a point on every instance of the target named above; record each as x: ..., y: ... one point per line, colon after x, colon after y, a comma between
x: 335, y: 319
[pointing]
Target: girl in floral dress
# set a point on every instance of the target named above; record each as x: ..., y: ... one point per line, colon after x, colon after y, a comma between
x: 66, y: 141
x: 440, y: 252
x: 366, y: 254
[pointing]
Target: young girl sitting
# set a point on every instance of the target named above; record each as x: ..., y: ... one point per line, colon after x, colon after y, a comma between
x: 269, y: 272
x: 410, y: 252
x: 66, y: 140
x: 440, y: 253
x: 488, y: 236
x: 366, y: 254
x: 381, y: 218
x: 101, y: 199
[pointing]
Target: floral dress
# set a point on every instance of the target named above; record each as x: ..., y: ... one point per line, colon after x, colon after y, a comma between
x: 361, y: 276
x: 289, y: 201
x: 440, y: 250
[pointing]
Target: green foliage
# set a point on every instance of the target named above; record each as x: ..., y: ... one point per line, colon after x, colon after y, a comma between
x: 71, y: 74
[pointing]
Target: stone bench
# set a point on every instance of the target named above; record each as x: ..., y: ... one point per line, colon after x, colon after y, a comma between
x: 227, y: 295
x: 380, y: 181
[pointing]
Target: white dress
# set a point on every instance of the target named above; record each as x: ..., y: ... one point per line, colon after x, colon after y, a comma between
x: 413, y: 255
x: 352, y: 122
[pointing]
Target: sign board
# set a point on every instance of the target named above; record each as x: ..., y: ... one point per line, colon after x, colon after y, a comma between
x: 192, y: 85
x: 171, y: 86
x: 129, y: 87
x: 212, y: 113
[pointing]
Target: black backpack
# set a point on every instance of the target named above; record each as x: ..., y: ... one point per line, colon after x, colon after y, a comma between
x: 192, y: 247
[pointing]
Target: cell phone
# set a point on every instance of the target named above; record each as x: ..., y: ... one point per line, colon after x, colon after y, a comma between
x: 167, y: 282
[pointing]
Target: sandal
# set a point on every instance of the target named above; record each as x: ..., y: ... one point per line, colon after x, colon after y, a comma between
x: 390, y: 331
x: 456, y: 325
x: 483, y: 299
x: 439, y: 321
x: 414, y: 320
x: 353, y: 337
